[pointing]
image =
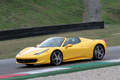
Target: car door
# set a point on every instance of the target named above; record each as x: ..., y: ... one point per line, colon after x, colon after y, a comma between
x: 73, y: 52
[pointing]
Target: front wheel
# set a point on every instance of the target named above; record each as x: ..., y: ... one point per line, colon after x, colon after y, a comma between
x: 98, y: 53
x: 56, y: 58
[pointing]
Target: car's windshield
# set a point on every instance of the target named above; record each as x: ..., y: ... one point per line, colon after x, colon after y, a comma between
x: 52, y: 42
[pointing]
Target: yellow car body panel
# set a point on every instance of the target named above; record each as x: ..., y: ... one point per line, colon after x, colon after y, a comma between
x: 82, y: 50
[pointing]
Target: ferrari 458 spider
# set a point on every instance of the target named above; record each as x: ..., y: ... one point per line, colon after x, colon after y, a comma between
x: 56, y: 50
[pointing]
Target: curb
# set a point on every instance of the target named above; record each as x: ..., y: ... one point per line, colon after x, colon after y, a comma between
x: 63, y: 70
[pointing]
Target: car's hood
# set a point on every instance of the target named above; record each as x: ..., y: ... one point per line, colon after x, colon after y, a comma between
x: 32, y: 51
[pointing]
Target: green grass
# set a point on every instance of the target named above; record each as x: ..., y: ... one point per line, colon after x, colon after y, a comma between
x: 111, y: 12
x: 9, y: 48
x: 31, y: 13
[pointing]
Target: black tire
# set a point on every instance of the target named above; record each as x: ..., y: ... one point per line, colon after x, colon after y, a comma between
x: 99, y: 52
x: 56, y: 58
x: 29, y: 65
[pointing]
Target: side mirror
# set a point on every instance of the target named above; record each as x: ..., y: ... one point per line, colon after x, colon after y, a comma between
x: 69, y: 45
x: 37, y: 45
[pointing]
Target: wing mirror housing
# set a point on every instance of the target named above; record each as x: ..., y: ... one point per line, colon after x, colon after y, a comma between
x: 69, y: 45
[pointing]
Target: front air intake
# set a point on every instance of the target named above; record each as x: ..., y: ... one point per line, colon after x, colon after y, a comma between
x: 26, y: 60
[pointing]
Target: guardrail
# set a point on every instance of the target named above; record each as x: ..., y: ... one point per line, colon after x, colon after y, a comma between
x: 35, y: 31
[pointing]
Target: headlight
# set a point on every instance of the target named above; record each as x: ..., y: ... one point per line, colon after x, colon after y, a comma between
x: 18, y: 54
x: 41, y: 52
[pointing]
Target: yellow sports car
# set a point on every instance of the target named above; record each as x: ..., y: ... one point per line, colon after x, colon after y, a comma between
x: 56, y: 50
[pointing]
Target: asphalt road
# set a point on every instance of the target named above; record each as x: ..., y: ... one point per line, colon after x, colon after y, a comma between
x: 9, y: 66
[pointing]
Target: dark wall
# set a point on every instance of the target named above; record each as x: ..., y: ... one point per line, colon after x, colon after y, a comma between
x: 34, y: 31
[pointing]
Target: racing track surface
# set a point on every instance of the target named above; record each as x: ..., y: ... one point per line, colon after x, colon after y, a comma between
x: 9, y: 66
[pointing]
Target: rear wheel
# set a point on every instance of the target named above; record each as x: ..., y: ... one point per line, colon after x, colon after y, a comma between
x: 30, y: 65
x: 99, y: 52
x: 56, y: 58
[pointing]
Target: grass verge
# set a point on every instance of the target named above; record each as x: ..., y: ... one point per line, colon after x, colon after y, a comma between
x: 9, y: 48
x: 31, y: 13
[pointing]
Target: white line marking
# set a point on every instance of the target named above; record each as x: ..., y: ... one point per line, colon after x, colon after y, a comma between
x: 114, y: 60
x: 42, y: 71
